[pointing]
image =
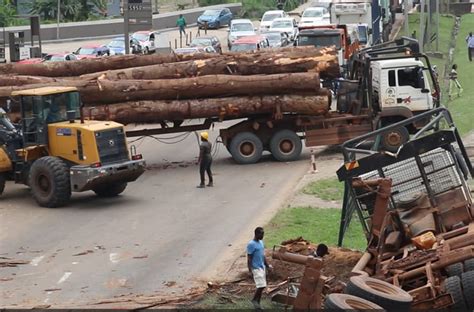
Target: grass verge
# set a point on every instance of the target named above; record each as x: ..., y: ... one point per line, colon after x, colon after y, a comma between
x: 326, y: 189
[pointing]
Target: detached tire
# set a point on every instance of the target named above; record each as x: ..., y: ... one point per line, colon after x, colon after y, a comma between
x: 246, y: 148
x: 50, y: 182
x: 467, y: 281
x: 344, y: 302
x: 110, y: 190
x: 392, y: 140
x: 454, y: 269
x: 386, y: 295
x: 285, y: 145
x: 453, y: 287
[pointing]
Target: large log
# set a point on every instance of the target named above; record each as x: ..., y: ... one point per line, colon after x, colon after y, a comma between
x: 14, y: 80
x: 324, y: 62
x: 222, y: 108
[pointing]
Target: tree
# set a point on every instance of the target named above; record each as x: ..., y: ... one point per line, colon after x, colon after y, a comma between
x: 7, y: 13
x: 71, y: 10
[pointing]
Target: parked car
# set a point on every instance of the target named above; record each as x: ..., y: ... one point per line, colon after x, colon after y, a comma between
x: 268, y: 18
x: 215, y: 18
x: 92, y: 51
x: 240, y: 28
x: 314, y: 16
x: 206, y: 41
x: 287, y: 25
x: 192, y: 50
x: 117, y: 46
x: 277, y: 39
x: 147, y: 40
x: 250, y: 43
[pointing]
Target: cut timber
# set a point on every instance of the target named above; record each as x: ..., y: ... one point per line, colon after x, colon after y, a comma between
x: 200, y: 87
x: 222, y: 108
x: 14, y: 80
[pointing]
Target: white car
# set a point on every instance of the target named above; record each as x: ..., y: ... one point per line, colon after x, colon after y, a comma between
x: 240, y: 28
x: 314, y: 16
x: 147, y: 40
x: 268, y: 18
x: 287, y: 25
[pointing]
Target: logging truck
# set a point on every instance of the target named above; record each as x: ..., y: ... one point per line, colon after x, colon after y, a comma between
x: 387, y: 85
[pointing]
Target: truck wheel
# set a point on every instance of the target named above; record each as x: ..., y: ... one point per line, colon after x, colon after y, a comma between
x: 467, y: 281
x: 246, y: 148
x: 50, y: 182
x: 110, y: 190
x: 343, y: 302
x: 3, y: 180
x: 454, y: 269
x: 386, y: 295
x: 286, y: 145
x: 392, y: 140
x: 453, y: 287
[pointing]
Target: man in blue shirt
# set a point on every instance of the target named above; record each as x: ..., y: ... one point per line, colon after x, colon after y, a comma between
x: 257, y: 264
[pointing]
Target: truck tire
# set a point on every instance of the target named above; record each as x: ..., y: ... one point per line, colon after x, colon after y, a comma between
x: 386, y: 295
x: 50, y: 182
x: 454, y: 269
x: 285, y: 145
x: 344, y: 302
x: 3, y: 180
x: 467, y: 281
x: 453, y: 287
x: 392, y: 140
x: 246, y: 148
x: 469, y: 265
x: 110, y: 190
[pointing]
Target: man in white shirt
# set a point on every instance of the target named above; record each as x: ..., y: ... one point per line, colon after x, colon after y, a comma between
x: 470, y: 46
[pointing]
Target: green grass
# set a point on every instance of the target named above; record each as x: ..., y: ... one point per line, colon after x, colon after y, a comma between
x: 314, y: 224
x: 326, y: 189
x: 462, y: 108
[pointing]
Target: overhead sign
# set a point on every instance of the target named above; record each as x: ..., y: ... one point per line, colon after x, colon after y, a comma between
x: 138, y: 15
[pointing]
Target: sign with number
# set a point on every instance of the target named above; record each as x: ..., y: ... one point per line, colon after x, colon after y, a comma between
x: 138, y: 15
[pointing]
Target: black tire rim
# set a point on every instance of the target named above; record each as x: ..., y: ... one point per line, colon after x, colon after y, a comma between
x: 286, y: 146
x: 44, y: 184
x: 247, y: 148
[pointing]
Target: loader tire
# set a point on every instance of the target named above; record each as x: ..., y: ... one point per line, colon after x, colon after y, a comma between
x: 286, y: 145
x: 469, y: 265
x: 454, y: 269
x: 3, y: 180
x: 344, y: 302
x: 110, y: 190
x: 50, y: 182
x: 453, y: 287
x: 246, y: 148
x: 388, y: 296
x: 467, y: 281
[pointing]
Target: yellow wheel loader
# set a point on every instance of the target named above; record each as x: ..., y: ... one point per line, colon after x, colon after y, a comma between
x: 55, y: 151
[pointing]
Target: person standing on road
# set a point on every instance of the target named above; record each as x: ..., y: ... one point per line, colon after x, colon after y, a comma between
x: 470, y: 46
x: 454, y: 82
x: 205, y: 160
x: 257, y: 265
x: 181, y: 23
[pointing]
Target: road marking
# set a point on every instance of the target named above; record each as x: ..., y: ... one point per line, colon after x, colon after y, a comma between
x: 114, y: 257
x: 36, y: 260
x: 64, y: 277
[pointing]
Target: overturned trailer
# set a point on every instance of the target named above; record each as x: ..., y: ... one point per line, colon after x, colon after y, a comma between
x: 416, y: 209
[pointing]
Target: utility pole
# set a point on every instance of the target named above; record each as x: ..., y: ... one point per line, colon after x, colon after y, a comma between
x: 125, y: 23
x: 437, y: 25
x: 405, y: 15
x: 58, y: 18
x: 422, y: 25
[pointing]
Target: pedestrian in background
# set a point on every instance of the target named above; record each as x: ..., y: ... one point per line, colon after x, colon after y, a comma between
x: 454, y: 82
x: 470, y: 46
x: 205, y: 160
x: 257, y: 265
x: 181, y: 23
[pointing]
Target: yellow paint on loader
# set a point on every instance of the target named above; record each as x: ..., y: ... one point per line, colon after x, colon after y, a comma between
x: 5, y: 162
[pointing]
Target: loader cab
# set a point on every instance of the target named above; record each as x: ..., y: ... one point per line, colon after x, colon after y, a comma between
x: 43, y: 106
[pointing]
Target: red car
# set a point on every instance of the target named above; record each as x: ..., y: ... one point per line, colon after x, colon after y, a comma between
x: 53, y: 57
x: 92, y: 51
x: 250, y: 43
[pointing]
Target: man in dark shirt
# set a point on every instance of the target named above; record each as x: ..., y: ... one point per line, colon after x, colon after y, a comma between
x: 205, y: 160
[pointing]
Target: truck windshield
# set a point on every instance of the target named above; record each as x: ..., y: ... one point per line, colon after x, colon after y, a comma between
x: 320, y: 41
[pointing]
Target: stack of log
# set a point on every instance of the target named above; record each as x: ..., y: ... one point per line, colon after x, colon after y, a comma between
x: 155, y: 88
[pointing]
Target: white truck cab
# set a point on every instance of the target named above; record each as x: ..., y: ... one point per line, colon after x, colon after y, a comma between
x: 401, y: 83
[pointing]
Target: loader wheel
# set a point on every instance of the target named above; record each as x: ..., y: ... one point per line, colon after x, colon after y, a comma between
x: 3, y: 180
x: 286, y: 145
x: 386, y: 295
x: 467, y: 281
x: 392, y: 140
x: 453, y: 287
x: 469, y: 265
x: 50, y: 182
x: 454, y: 269
x: 246, y: 148
x: 110, y: 190
x: 343, y: 302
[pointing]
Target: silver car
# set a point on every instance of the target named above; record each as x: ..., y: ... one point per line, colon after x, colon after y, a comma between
x: 240, y: 28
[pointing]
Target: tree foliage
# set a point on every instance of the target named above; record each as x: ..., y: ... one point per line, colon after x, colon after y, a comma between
x: 7, y: 13
x: 70, y: 10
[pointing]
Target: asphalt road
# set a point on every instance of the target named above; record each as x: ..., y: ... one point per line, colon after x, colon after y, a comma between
x: 163, y: 235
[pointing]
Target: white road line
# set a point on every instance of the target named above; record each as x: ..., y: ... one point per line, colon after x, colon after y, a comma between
x: 64, y: 277
x: 36, y: 260
x: 114, y: 257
